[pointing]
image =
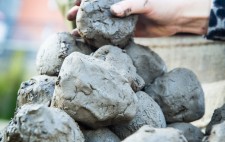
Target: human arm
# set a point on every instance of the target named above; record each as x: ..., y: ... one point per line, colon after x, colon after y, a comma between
x: 165, y: 17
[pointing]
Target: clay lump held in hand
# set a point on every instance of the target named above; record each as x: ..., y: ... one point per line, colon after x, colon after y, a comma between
x: 99, y: 27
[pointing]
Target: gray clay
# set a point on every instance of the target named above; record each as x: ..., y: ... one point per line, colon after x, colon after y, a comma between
x: 99, y: 27
x: 149, y: 65
x: 38, y: 123
x: 10, y: 133
x: 1, y: 135
x: 122, y: 62
x: 100, y: 135
x: 217, y: 134
x: 148, y: 113
x: 218, y: 117
x: 55, y: 49
x: 150, y: 134
x: 93, y: 92
x: 191, y: 133
x: 38, y: 89
x: 179, y: 94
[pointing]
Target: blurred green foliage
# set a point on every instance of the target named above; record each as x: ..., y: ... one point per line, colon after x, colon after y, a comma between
x: 10, y: 81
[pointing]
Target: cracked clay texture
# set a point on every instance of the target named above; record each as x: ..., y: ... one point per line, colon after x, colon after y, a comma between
x: 93, y: 92
x: 122, y: 62
x: 148, y: 64
x: 38, y: 90
x: 179, y: 94
x: 191, y: 133
x: 99, y: 27
x: 218, y: 117
x: 100, y: 135
x: 149, y: 134
x: 38, y: 123
x: 217, y: 133
x: 148, y: 113
x: 55, y: 49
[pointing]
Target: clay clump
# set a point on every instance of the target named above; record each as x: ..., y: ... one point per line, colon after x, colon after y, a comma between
x: 179, y: 94
x: 191, y: 133
x: 217, y: 133
x: 148, y: 113
x: 122, y: 62
x: 37, y: 90
x: 217, y: 118
x: 55, y: 49
x: 149, y: 134
x: 93, y: 92
x: 1, y: 135
x: 38, y: 123
x: 100, y: 135
x: 99, y: 27
x: 148, y: 64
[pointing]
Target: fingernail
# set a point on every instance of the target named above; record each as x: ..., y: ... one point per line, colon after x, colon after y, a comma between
x: 116, y: 9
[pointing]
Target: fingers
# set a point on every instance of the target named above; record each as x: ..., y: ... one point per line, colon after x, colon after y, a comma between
x: 75, y: 33
x: 127, y: 7
x: 77, y: 2
x: 71, y: 15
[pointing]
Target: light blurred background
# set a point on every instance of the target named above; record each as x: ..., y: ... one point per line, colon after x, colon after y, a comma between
x: 24, y: 25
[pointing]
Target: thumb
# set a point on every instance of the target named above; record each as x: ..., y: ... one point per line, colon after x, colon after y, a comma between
x: 127, y: 7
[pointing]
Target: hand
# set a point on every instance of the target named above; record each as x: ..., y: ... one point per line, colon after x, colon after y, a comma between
x: 166, y: 17
x: 71, y: 15
x: 162, y: 17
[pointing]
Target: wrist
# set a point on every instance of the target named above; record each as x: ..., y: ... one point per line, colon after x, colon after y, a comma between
x: 194, y: 17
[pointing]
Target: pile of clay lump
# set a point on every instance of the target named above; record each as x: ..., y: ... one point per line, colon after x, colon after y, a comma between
x: 103, y: 87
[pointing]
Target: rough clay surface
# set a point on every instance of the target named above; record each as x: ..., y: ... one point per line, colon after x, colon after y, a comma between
x: 38, y: 89
x: 191, y: 133
x: 93, y: 92
x: 1, y: 135
x: 38, y: 123
x: 122, y: 62
x: 218, y: 117
x: 214, y: 98
x: 148, y: 113
x: 217, y: 134
x: 148, y: 64
x: 100, y: 135
x: 55, y: 49
x: 99, y: 27
x: 150, y: 134
x: 179, y: 94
